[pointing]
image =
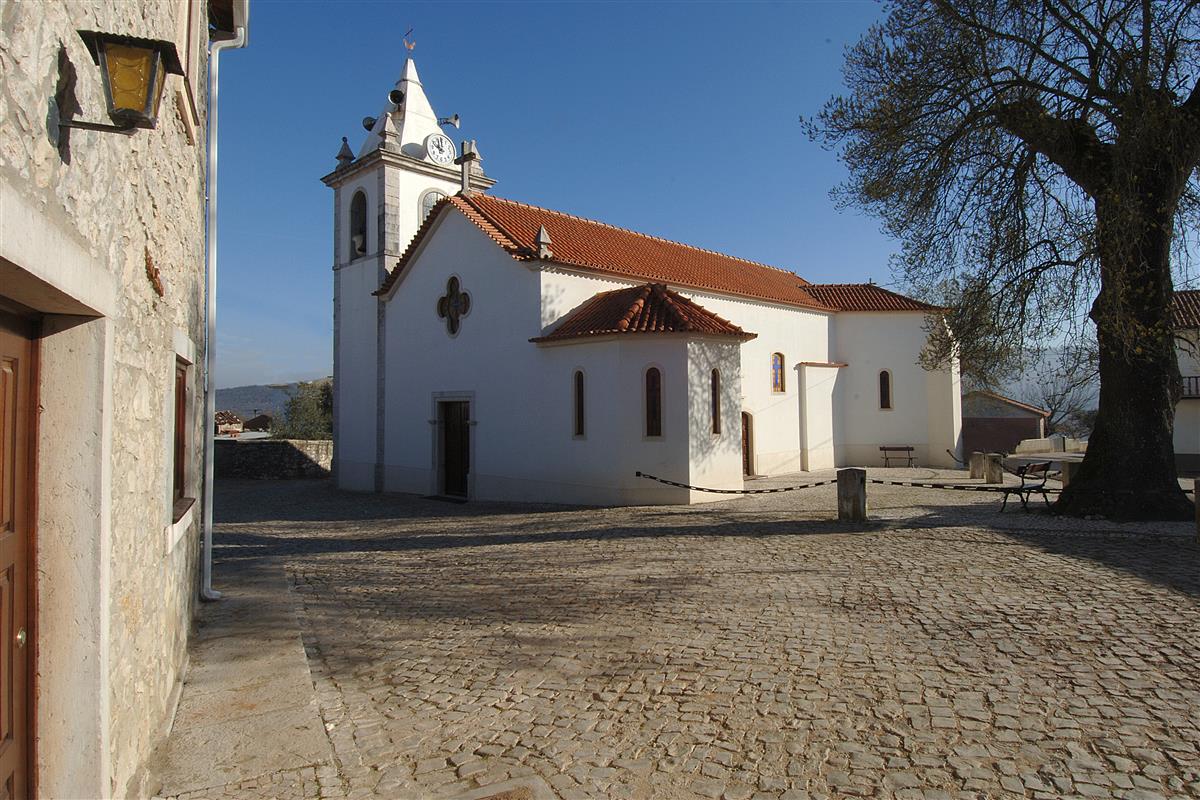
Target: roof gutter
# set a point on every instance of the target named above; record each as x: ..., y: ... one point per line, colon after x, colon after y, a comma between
x: 228, y: 41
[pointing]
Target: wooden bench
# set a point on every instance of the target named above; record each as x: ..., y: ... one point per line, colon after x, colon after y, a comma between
x: 1033, y: 481
x: 904, y: 452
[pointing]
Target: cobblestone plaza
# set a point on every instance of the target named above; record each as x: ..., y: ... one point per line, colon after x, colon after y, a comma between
x: 746, y: 649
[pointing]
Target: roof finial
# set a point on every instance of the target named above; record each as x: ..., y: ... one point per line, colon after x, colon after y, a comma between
x: 345, y: 155
x: 407, y: 43
x: 543, y: 244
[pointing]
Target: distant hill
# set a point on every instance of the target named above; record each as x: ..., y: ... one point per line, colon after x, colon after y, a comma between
x: 248, y: 401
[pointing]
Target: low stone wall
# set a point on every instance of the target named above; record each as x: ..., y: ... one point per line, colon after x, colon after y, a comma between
x: 272, y: 459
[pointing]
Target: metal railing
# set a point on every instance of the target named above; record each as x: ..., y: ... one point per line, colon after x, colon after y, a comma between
x: 1191, y: 386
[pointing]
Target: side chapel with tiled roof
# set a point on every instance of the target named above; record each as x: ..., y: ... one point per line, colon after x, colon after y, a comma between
x: 488, y: 348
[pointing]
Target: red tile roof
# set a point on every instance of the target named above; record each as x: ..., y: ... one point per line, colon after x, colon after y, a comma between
x: 650, y: 308
x: 864, y: 297
x: 604, y: 248
x: 595, y: 246
x: 1185, y: 308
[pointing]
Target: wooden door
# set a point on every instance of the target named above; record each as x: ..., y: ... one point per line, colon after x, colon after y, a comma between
x: 16, y: 529
x: 456, y: 447
x: 747, y: 444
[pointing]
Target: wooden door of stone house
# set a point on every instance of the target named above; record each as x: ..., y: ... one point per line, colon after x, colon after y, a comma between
x: 456, y: 446
x: 16, y: 531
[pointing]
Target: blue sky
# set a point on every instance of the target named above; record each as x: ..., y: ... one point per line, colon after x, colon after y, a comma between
x: 676, y: 119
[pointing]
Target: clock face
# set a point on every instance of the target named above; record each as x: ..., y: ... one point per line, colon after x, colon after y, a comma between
x: 439, y: 148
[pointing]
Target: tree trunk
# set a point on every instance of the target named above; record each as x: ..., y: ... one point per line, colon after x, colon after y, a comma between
x: 1129, y: 469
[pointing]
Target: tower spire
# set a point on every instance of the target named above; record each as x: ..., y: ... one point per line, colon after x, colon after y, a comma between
x: 412, y: 116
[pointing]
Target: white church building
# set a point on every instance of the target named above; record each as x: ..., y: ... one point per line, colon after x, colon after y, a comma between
x: 489, y: 349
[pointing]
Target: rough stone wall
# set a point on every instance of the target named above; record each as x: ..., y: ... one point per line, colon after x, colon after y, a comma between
x: 125, y: 197
x: 273, y: 459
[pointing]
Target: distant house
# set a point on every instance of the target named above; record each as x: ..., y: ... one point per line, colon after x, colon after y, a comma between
x: 992, y: 423
x: 228, y: 423
x: 261, y: 423
x: 1186, y: 313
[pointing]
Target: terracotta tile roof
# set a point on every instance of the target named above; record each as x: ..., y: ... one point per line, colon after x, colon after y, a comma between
x: 1185, y: 308
x: 651, y: 308
x: 864, y: 297
x: 591, y: 245
x: 227, y: 418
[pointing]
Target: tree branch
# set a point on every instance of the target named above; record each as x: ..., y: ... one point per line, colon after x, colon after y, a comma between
x: 1071, y: 144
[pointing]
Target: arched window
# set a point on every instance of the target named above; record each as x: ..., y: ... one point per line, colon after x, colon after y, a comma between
x: 885, y: 389
x: 653, y: 402
x: 428, y: 201
x: 358, y: 226
x: 579, y: 402
x: 716, y: 401
x: 777, y: 381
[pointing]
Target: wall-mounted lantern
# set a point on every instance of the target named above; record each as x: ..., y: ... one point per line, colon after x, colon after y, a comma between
x: 133, y: 71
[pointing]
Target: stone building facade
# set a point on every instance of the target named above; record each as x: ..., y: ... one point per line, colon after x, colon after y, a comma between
x: 102, y: 272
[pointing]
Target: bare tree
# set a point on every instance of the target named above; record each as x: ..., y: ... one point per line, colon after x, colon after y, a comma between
x: 1063, y: 383
x: 1046, y: 151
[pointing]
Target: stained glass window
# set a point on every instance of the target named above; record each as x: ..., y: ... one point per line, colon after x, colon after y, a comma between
x: 777, y: 382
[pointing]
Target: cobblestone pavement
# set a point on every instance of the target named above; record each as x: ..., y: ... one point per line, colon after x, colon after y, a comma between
x: 744, y: 649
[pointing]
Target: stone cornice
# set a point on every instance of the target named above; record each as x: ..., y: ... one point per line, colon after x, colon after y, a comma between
x: 342, y: 174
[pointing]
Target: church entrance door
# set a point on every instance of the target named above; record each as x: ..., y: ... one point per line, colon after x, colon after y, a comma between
x: 747, y: 444
x: 454, y: 420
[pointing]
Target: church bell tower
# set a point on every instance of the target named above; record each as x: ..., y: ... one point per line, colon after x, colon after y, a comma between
x: 380, y: 198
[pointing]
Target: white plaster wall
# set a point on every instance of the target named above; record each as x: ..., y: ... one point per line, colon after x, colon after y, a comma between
x: 355, y: 373
x: 817, y: 386
x: 944, y: 399
x: 715, y: 459
x: 870, y: 342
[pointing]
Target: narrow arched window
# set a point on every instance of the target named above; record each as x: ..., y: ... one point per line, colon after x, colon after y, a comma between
x: 716, y: 401
x: 358, y: 226
x: 428, y: 201
x: 653, y: 402
x: 777, y: 382
x: 885, y: 389
x: 579, y: 402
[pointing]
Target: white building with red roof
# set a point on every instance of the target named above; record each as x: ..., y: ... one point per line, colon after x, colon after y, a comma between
x: 491, y: 349
x: 1185, y: 307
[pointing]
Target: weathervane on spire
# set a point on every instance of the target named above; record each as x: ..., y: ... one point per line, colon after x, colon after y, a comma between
x: 407, y: 43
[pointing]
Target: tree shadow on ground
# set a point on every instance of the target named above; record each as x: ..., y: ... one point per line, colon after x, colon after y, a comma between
x: 267, y: 520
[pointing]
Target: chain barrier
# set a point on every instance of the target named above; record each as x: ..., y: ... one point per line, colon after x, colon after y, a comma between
x: 911, y: 484
x: 735, y: 491
x: 961, y: 488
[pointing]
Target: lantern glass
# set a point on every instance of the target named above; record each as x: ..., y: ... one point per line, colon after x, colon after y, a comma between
x: 134, y: 72
x: 131, y: 73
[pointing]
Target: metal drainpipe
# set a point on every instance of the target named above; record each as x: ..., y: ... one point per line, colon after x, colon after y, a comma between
x: 238, y: 40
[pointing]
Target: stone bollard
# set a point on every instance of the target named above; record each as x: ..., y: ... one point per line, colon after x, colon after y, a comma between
x: 976, y: 464
x: 993, y: 470
x: 852, y: 495
x: 1069, y: 470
